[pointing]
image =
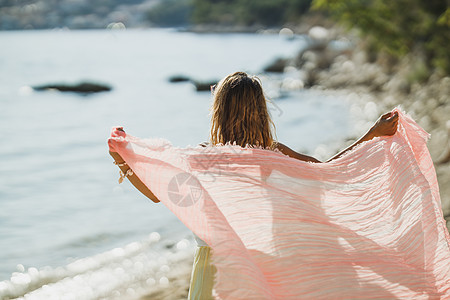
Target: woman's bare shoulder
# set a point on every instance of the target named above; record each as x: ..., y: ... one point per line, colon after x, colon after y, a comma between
x: 291, y: 153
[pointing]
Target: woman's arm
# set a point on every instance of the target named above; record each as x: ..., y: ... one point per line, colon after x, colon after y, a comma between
x: 291, y: 153
x: 385, y: 125
x: 120, y: 162
x: 133, y: 178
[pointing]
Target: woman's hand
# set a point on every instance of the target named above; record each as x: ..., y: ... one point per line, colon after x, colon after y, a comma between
x: 116, y: 132
x: 385, y: 125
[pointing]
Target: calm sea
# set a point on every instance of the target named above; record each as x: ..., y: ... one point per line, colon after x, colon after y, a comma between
x: 62, y: 212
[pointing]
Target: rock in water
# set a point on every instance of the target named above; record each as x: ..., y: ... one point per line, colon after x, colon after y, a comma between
x: 82, y: 87
x: 277, y: 66
x: 201, y: 86
x: 179, y: 78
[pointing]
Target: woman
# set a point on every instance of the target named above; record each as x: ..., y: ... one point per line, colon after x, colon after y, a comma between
x: 240, y: 115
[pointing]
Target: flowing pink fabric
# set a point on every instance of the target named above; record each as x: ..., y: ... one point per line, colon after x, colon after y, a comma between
x: 366, y: 225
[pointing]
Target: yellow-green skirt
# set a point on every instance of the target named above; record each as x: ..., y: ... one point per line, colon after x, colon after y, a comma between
x: 202, y: 277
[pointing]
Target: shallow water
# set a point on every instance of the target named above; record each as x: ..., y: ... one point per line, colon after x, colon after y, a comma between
x: 59, y: 197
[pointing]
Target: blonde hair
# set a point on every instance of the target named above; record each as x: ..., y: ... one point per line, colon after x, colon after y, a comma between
x: 239, y: 113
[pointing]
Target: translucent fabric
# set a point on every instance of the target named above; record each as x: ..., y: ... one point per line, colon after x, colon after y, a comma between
x: 366, y: 225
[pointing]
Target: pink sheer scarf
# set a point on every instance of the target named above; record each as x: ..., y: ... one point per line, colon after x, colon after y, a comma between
x: 366, y: 225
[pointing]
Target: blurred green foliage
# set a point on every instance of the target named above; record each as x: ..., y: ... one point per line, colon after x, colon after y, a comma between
x: 398, y: 27
x: 228, y: 12
x: 171, y: 13
x: 249, y: 12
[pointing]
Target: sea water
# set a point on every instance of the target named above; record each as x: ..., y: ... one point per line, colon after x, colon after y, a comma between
x: 62, y: 212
